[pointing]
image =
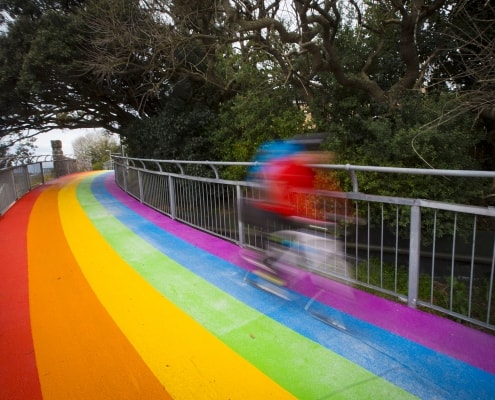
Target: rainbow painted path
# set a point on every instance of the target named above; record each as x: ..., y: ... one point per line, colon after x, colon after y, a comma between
x: 103, y: 298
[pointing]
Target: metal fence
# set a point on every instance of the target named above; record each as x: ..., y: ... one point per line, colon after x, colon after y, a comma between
x: 432, y: 255
x: 20, y: 175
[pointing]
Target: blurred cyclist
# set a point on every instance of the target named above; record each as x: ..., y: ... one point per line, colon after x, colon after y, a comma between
x: 286, y: 183
x: 300, y: 227
x: 286, y: 180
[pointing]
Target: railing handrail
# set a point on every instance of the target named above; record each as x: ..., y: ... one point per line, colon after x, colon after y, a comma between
x: 350, y: 168
x: 35, y: 159
x: 345, y: 167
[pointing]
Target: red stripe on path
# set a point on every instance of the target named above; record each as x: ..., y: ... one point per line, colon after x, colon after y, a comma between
x: 18, y: 372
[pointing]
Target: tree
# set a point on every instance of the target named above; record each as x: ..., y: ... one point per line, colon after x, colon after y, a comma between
x: 26, y: 148
x: 379, y: 53
x: 95, y: 148
x: 23, y: 151
x: 256, y: 117
x: 119, y: 62
x: 467, y: 69
x: 301, y: 37
x: 42, y: 82
x: 175, y: 133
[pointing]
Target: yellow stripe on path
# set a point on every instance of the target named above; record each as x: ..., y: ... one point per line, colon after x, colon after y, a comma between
x: 188, y: 360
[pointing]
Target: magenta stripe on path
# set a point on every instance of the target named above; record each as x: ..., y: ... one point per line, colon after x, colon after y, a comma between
x: 437, y: 333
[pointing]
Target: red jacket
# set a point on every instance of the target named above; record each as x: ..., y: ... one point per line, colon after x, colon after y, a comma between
x: 284, y: 178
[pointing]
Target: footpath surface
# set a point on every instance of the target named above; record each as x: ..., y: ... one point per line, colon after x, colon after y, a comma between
x: 104, y: 298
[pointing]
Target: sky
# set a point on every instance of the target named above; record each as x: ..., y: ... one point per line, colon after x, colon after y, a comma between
x: 67, y: 136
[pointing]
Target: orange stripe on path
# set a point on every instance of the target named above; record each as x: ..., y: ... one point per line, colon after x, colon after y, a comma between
x: 18, y: 373
x: 80, y: 352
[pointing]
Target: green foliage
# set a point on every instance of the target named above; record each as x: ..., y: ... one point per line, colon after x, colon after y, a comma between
x: 176, y: 133
x: 54, y: 48
x: 444, y: 291
x: 259, y: 111
x: 41, y: 53
x: 253, y: 118
x: 403, y: 139
x: 382, y: 275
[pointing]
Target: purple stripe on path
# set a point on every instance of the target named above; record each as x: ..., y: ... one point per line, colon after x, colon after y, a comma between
x: 437, y: 333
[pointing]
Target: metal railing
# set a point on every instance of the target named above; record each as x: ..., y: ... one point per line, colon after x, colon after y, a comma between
x: 18, y: 175
x: 429, y: 254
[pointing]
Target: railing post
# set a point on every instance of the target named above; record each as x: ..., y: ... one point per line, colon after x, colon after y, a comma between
x: 414, y: 255
x: 14, y: 185
x: 240, y: 225
x: 42, y: 173
x: 27, y: 178
x: 352, y: 173
x: 171, y: 195
x: 141, y: 189
x: 125, y: 172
